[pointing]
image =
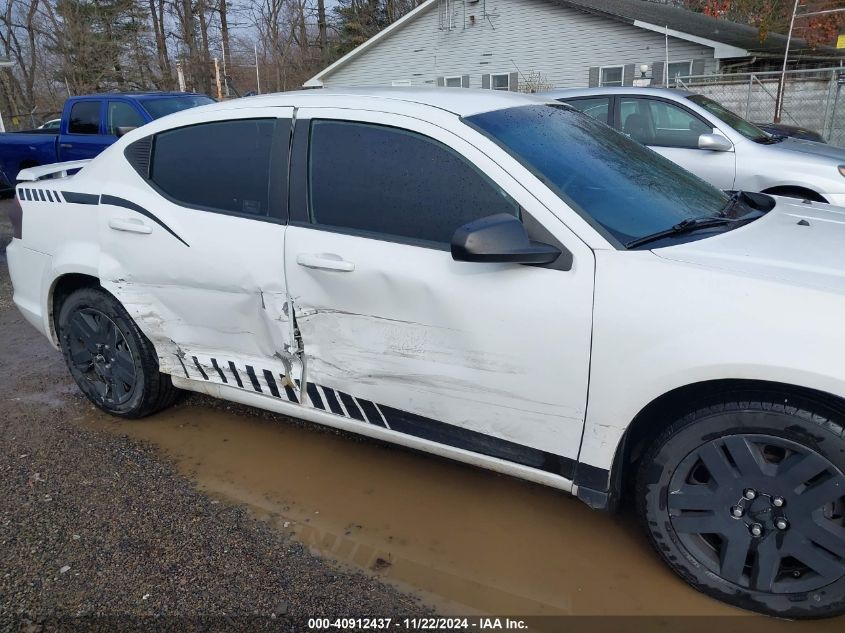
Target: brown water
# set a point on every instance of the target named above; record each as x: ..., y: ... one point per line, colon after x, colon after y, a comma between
x: 468, y: 540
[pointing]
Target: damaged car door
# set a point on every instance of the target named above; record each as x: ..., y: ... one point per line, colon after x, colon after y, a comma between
x: 492, y: 358
x: 194, y: 250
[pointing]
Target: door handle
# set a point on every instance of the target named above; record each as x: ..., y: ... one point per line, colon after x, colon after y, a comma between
x: 130, y: 225
x: 65, y: 145
x: 325, y: 261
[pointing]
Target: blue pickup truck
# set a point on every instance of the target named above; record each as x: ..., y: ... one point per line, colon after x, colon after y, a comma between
x: 89, y: 124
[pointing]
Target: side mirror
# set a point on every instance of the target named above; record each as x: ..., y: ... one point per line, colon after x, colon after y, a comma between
x: 714, y: 142
x: 499, y: 238
x: 125, y: 129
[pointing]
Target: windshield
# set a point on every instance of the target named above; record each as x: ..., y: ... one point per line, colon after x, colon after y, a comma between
x: 624, y: 189
x: 747, y: 129
x: 162, y: 106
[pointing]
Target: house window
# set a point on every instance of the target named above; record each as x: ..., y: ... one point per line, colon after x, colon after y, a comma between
x: 679, y: 69
x: 500, y: 82
x: 611, y: 76
x: 453, y: 82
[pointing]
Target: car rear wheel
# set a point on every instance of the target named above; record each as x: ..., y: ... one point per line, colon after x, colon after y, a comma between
x: 746, y: 501
x: 110, y: 359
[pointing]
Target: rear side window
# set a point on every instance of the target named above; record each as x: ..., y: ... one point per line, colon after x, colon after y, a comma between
x: 84, y: 118
x: 596, y: 107
x: 222, y: 166
x: 387, y: 181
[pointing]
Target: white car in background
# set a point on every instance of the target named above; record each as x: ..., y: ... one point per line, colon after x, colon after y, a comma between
x: 715, y: 144
x: 481, y: 275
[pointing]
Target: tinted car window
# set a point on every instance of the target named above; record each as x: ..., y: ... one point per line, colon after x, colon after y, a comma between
x: 220, y: 166
x: 158, y: 107
x: 84, y: 118
x: 623, y: 188
x: 596, y: 107
x: 654, y: 122
x: 122, y: 114
x: 388, y: 181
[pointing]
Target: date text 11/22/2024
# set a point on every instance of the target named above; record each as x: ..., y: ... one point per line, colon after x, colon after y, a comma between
x: 417, y: 624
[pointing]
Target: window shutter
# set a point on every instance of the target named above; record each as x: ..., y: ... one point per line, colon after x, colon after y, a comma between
x: 513, y: 82
x: 628, y: 74
x: 657, y: 73
x: 441, y: 81
x: 485, y: 81
x: 594, y: 77
x: 464, y: 81
x: 698, y: 67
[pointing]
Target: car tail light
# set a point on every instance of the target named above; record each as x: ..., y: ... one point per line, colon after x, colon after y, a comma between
x: 15, y: 213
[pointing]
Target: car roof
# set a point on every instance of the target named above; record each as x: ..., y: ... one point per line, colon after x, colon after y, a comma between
x: 150, y: 94
x: 459, y: 101
x: 560, y: 93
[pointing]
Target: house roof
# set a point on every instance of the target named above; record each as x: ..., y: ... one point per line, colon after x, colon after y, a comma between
x: 728, y: 39
x: 742, y: 36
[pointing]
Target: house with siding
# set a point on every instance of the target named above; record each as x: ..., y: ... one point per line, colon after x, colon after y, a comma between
x: 533, y: 45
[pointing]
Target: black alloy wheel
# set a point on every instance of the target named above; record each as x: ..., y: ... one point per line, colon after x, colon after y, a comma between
x: 108, y: 356
x: 101, y: 361
x: 745, y: 499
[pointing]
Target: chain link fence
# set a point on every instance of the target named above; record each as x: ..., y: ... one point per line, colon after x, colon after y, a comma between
x: 813, y: 99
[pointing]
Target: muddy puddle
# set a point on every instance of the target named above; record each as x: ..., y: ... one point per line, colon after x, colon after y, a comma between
x: 469, y: 541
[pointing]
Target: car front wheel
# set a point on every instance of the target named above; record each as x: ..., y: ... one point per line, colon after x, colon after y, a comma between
x: 110, y: 359
x: 745, y: 500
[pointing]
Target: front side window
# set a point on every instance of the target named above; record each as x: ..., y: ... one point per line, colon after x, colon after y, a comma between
x: 84, y: 118
x: 746, y: 128
x: 221, y: 166
x: 624, y: 189
x: 596, y: 107
x: 500, y: 82
x: 121, y: 114
x: 611, y: 76
x: 390, y: 182
x: 659, y: 123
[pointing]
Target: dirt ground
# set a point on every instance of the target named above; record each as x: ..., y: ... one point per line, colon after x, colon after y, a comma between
x: 214, y: 510
x: 97, y: 523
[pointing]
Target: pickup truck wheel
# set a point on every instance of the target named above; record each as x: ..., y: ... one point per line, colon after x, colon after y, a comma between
x: 745, y: 500
x: 110, y: 359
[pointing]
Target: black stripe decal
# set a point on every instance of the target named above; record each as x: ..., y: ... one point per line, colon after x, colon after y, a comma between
x: 271, y: 382
x: 314, y: 396
x: 49, y: 196
x: 219, y: 371
x: 25, y: 194
x: 255, y: 384
x: 451, y: 435
x: 351, y: 408
x: 235, y: 374
x: 126, y: 204
x: 80, y: 198
x: 371, y: 412
x: 42, y: 196
x: 202, y: 371
x: 185, y: 369
x: 331, y: 400
x: 291, y: 394
x: 57, y: 196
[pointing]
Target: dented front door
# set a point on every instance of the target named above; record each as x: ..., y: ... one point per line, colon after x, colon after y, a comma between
x: 208, y: 286
x: 491, y: 358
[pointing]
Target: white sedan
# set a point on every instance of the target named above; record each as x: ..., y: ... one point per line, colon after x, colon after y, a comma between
x: 484, y: 276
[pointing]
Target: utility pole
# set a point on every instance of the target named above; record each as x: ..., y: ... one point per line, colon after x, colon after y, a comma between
x: 782, y: 82
x: 257, y: 75
x: 217, y: 79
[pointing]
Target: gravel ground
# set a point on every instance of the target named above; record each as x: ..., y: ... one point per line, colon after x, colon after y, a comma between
x: 99, y: 532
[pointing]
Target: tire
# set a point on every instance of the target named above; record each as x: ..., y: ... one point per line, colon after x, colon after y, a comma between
x: 745, y: 500
x: 111, y: 360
